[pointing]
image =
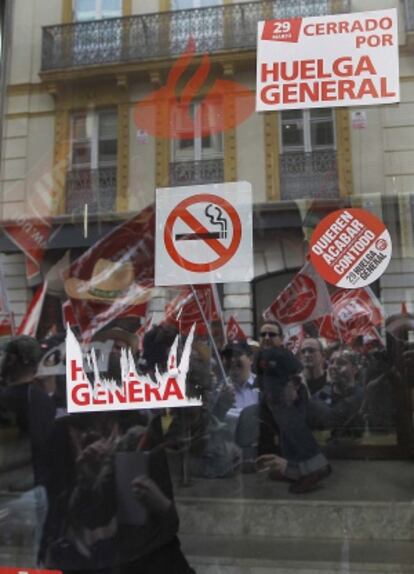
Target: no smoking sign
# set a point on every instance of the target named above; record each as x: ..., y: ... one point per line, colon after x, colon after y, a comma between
x: 204, y: 234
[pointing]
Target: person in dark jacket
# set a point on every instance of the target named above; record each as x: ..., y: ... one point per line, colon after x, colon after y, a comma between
x: 302, y: 461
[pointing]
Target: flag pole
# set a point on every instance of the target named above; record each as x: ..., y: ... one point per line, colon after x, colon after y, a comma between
x: 210, y: 334
x: 220, y: 311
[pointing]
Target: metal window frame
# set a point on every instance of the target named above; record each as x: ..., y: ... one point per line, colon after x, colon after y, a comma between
x: 93, y: 117
x: 306, y: 122
x: 98, y: 11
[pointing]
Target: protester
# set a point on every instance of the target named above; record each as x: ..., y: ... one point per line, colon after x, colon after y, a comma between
x: 29, y: 396
x: 201, y: 434
x: 100, y: 462
x: 302, y: 461
x: 242, y: 378
x: 337, y: 406
x: 313, y: 360
x: 242, y: 417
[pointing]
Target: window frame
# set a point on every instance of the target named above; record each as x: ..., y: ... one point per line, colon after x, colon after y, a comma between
x: 98, y: 12
x: 306, y: 121
x: 197, y: 152
x: 93, y: 118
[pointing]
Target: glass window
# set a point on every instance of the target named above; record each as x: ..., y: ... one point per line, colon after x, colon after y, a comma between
x: 185, y: 4
x: 109, y: 107
x: 307, y: 130
x: 94, y: 139
x: 97, y: 9
x: 194, y: 124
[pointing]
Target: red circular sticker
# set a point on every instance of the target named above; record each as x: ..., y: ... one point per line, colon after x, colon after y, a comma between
x: 350, y: 248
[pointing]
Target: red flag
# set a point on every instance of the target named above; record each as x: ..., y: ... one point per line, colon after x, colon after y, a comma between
x: 305, y: 298
x: 31, y: 230
x: 68, y: 315
x: 7, y: 326
x: 115, y: 276
x: 31, y: 320
x: 294, y: 337
x: 183, y: 310
x: 354, y: 312
x: 234, y: 331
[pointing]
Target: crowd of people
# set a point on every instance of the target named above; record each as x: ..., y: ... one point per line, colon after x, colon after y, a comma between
x: 103, y: 486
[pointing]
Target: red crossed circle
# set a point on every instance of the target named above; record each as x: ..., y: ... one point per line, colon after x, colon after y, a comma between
x: 224, y: 253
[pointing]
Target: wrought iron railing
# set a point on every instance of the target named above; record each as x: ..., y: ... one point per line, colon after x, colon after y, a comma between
x: 196, y: 172
x: 96, y: 187
x: 313, y: 175
x: 165, y: 34
x: 409, y: 15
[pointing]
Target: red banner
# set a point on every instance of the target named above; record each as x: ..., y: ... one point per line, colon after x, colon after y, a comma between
x: 305, y: 298
x: 31, y: 230
x: 6, y: 326
x: 10, y: 570
x: 184, y: 310
x: 115, y: 276
x: 355, y: 312
x: 6, y: 315
x: 234, y: 331
x: 31, y: 320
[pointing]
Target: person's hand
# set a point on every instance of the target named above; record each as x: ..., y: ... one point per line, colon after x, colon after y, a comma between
x: 227, y: 397
x: 268, y: 463
x: 100, y: 448
x: 146, y: 491
x: 291, y: 392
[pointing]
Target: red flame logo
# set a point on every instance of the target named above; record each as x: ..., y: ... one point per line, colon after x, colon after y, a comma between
x: 168, y: 113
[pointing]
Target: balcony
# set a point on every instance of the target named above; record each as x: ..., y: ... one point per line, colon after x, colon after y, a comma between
x: 309, y: 175
x: 164, y: 35
x: 96, y: 187
x: 196, y: 172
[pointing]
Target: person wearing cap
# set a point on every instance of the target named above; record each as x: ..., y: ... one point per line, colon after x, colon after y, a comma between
x: 302, y: 461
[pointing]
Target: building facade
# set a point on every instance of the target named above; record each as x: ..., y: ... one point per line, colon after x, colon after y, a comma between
x: 72, y: 97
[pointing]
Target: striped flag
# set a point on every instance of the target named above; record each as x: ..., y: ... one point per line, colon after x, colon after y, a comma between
x: 31, y: 320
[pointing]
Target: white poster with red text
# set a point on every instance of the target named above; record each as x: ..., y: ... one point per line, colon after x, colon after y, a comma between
x: 88, y: 389
x: 328, y: 61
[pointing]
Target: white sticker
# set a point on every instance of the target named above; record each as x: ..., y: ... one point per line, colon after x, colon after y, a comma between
x: 135, y: 391
x: 204, y: 234
x: 328, y: 61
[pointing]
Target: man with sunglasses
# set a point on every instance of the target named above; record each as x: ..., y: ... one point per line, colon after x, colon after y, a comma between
x: 271, y: 335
